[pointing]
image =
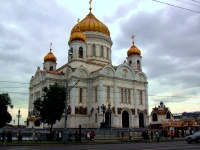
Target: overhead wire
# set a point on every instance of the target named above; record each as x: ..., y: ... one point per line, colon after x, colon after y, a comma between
x: 176, y: 6
x: 188, y: 3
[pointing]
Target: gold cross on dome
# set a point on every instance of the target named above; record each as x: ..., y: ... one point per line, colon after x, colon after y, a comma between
x: 51, y: 46
x: 90, y: 2
x: 133, y: 37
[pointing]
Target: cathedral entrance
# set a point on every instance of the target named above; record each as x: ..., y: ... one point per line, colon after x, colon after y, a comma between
x: 108, y: 119
x: 141, y: 120
x: 125, y: 119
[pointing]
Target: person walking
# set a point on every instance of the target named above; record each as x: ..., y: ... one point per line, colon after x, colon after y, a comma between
x: 85, y: 135
x: 92, y: 134
x: 38, y: 137
x: 33, y: 136
x: 19, y: 136
x: 122, y: 134
x: 70, y: 136
x: 151, y: 135
x: 88, y: 136
x: 172, y: 135
x: 3, y: 136
x: 130, y: 135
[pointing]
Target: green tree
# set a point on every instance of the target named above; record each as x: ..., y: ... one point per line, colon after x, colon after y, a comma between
x: 52, y: 104
x: 5, y: 116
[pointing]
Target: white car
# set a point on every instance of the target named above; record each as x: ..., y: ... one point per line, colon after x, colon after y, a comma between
x: 193, y: 138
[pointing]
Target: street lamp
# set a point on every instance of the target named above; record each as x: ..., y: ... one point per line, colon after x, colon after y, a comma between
x: 103, y: 110
x: 109, y: 110
x: 18, y: 116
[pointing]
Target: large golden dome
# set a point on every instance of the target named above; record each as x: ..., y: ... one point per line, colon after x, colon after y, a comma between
x: 91, y: 23
x: 78, y: 35
x: 50, y: 56
x: 133, y: 50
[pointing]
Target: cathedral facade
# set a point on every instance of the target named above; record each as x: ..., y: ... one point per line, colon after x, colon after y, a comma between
x: 97, y: 90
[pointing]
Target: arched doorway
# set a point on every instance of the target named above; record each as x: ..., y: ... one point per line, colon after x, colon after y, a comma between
x: 125, y: 119
x: 141, y: 120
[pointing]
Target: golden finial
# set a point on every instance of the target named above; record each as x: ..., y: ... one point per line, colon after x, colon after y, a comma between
x: 90, y: 5
x: 50, y: 46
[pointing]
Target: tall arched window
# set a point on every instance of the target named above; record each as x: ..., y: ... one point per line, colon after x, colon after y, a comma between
x: 108, y: 93
x: 51, y: 68
x: 140, y: 97
x: 108, y: 53
x: 95, y: 94
x: 155, y: 117
x: 80, y: 52
x: 129, y: 96
x: 70, y: 53
x: 121, y: 95
x: 93, y: 50
x: 80, y: 95
x: 125, y: 96
x: 168, y: 115
x: 138, y: 65
x: 101, y: 51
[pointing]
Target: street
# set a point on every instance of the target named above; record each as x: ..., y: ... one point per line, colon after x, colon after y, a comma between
x: 175, y: 145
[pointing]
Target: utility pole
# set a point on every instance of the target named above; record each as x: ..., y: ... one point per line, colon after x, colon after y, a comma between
x: 18, y: 116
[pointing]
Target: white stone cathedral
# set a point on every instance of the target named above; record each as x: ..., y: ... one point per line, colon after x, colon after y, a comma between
x: 124, y: 87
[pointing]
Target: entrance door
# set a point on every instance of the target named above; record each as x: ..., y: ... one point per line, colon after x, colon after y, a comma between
x: 141, y: 120
x: 125, y: 119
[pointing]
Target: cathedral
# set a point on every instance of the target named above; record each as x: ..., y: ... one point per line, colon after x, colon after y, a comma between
x: 97, y: 90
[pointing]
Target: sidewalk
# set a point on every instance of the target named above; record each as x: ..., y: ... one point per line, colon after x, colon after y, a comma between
x: 116, y: 140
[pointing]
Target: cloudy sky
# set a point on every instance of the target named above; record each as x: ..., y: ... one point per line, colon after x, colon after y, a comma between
x: 166, y: 31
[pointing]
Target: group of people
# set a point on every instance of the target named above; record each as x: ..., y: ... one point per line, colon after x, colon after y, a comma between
x: 36, y: 136
x: 6, y: 136
x: 89, y: 136
x: 149, y: 135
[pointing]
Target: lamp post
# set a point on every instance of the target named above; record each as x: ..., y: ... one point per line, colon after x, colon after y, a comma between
x: 18, y: 116
x: 109, y: 110
x: 103, y: 110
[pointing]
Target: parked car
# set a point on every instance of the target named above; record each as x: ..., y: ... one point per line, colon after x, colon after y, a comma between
x: 193, y: 138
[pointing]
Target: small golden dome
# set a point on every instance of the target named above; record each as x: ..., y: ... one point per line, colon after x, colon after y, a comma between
x: 91, y: 23
x: 50, y: 56
x: 78, y: 35
x: 133, y: 50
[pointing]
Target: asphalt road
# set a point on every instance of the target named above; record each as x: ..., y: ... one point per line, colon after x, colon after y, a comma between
x: 175, y: 145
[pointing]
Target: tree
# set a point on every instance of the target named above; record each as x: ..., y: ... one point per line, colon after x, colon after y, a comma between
x: 5, y: 116
x: 52, y: 104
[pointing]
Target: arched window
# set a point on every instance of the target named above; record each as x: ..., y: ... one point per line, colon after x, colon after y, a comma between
x: 121, y: 95
x: 168, y: 115
x: 129, y: 96
x: 140, y: 97
x: 155, y: 117
x: 80, y: 52
x: 93, y: 50
x: 108, y: 93
x: 70, y: 53
x: 95, y: 94
x: 101, y: 51
x: 108, y: 53
x: 138, y: 65
x: 80, y: 95
x: 125, y: 96
x: 130, y: 62
x: 37, y: 122
x: 51, y: 68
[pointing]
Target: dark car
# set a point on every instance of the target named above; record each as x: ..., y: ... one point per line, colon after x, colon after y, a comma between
x: 193, y: 138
